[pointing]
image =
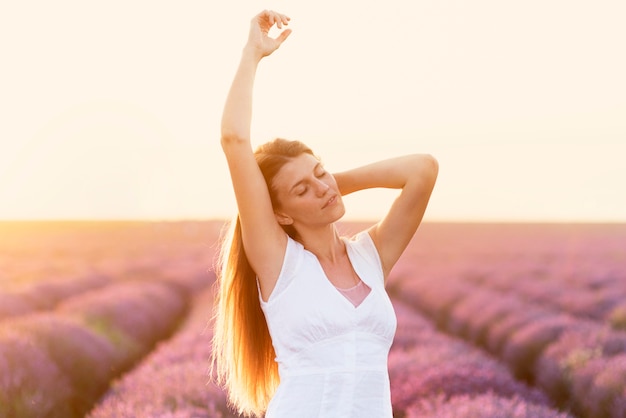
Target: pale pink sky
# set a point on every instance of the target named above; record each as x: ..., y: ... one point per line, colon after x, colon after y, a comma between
x: 111, y: 110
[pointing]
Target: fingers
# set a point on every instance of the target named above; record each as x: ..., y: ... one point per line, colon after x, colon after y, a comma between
x: 281, y: 20
x: 283, y: 35
x: 275, y: 18
x: 260, y: 28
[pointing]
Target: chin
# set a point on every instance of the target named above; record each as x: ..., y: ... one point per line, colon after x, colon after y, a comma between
x: 341, y: 210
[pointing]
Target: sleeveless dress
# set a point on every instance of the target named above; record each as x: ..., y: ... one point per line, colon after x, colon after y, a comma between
x: 331, y: 355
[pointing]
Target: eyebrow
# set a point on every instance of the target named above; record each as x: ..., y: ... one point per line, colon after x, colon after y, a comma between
x: 319, y: 164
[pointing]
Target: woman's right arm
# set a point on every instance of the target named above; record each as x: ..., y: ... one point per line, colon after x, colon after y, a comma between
x: 263, y: 238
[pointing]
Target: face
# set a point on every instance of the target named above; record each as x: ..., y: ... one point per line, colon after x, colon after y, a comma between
x: 306, y: 193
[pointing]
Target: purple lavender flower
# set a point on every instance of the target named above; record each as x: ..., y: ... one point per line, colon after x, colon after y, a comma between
x: 463, y: 311
x: 487, y: 405
x: 617, y: 317
x: 618, y: 409
x: 436, y: 299
x: 607, y: 388
x: 585, y: 303
x: 500, y: 332
x: 413, y: 329
x: 143, y: 312
x: 494, y: 310
x: 573, y: 349
x: 449, y: 367
x: 12, y: 304
x: 581, y: 380
x: 31, y: 384
x: 172, y: 381
x: 526, y: 344
x: 87, y: 360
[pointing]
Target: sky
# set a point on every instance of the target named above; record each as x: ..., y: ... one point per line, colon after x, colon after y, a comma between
x: 111, y: 110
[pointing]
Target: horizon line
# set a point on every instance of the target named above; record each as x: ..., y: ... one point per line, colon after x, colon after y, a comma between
x: 349, y: 220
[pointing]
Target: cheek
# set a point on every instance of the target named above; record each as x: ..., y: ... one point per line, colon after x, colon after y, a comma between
x: 286, y: 204
x: 280, y: 199
x: 298, y: 207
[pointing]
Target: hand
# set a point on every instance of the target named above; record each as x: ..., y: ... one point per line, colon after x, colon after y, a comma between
x: 259, y: 40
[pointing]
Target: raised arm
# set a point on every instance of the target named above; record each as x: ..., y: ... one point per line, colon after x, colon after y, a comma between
x: 263, y: 239
x: 416, y: 176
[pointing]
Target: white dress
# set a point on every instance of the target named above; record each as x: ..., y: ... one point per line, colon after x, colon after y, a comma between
x: 331, y: 355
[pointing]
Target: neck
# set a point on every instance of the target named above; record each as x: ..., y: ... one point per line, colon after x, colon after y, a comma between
x: 324, y: 242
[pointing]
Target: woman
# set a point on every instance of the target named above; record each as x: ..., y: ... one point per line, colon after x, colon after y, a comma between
x: 303, y: 324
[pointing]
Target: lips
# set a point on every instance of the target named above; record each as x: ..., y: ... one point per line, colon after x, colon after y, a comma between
x: 330, y: 201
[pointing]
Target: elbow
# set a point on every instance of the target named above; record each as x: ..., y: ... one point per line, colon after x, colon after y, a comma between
x: 434, y: 167
x: 427, y: 168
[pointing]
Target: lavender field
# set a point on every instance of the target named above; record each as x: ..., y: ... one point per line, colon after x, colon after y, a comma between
x: 110, y: 319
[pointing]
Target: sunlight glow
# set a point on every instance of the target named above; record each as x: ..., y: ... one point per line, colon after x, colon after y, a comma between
x: 112, y: 111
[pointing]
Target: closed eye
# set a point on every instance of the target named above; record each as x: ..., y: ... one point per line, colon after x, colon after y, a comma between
x: 319, y: 171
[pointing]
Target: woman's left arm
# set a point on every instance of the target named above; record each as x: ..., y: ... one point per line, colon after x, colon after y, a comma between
x: 415, y: 175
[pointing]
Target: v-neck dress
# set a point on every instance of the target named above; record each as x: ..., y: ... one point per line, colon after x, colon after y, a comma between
x: 331, y: 355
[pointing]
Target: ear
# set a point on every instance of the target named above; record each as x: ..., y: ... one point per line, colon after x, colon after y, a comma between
x: 283, y: 219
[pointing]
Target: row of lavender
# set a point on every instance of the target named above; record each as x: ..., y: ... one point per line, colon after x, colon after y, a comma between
x: 44, y: 263
x: 59, y: 362
x: 173, y: 380
x: 579, y: 362
x: 27, y: 344
x: 432, y: 375
x: 583, y: 289
x: 578, y: 269
x: 435, y: 375
x: 82, y: 302
x: 45, y: 294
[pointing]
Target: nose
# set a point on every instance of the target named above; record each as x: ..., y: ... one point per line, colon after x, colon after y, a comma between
x: 321, y: 188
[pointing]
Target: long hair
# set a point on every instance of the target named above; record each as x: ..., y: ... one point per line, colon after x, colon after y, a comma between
x: 243, y: 356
